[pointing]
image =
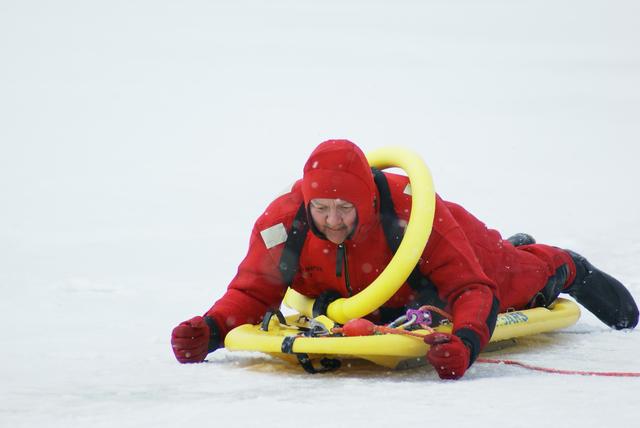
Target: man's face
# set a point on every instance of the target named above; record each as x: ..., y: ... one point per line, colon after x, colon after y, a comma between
x: 333, y: 217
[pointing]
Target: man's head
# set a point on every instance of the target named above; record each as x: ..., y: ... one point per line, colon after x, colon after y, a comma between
x: 335, y: 218
x: 337, y: 177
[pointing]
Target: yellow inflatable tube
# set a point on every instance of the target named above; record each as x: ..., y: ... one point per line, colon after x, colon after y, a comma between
x: 413, y: 242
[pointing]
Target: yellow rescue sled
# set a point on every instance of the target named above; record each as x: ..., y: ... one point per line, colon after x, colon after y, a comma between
x: 289, y: 338
x: 307, y: 339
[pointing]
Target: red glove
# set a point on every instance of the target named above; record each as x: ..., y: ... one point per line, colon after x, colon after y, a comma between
x: 191, y: 339
x: 448, y: 354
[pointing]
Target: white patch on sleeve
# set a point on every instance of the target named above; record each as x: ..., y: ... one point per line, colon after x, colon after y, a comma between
x: 407, y: 190
x: 274, y: 235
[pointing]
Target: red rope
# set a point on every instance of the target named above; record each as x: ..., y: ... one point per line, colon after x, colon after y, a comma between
x: 437, y: 310
x: 387, y: 330
x: 556, y: 371
x: 390, y: 330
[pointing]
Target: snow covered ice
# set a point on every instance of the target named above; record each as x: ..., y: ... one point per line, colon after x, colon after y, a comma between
x: 140, y: 140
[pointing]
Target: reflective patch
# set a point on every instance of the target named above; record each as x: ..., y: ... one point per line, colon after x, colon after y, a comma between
x: 407, y: 190
x: 275, y: 235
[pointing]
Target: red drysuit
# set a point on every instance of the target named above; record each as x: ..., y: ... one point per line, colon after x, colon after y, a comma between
x: 474, y: 270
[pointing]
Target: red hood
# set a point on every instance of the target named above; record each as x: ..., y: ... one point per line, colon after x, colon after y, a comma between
x: 339, y: 169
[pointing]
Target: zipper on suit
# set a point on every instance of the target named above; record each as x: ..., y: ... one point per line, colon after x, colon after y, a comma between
x: 341, y: 265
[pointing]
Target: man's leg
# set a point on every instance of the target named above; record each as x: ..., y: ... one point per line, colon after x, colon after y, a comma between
x: 598, y: 292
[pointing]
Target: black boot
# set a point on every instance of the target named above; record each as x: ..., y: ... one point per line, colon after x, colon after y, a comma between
x: 602, y: 295
x: 521, y: 239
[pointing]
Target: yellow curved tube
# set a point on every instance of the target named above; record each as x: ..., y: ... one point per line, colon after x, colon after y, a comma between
x: 409, y: 251
x: 413, y: 242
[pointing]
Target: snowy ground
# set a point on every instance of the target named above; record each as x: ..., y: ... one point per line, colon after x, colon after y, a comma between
x: 140, y: 140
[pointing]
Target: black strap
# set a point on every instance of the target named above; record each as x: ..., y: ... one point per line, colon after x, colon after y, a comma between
x: 289, y: 260
x: 551, y: 290
x: 388, y: 217
x: 214, y: 334
x: 322, y: 302
x: 267, y: 319
x: 326, y: 364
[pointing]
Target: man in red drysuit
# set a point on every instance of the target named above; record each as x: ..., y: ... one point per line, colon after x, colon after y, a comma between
x: 465, y: 267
